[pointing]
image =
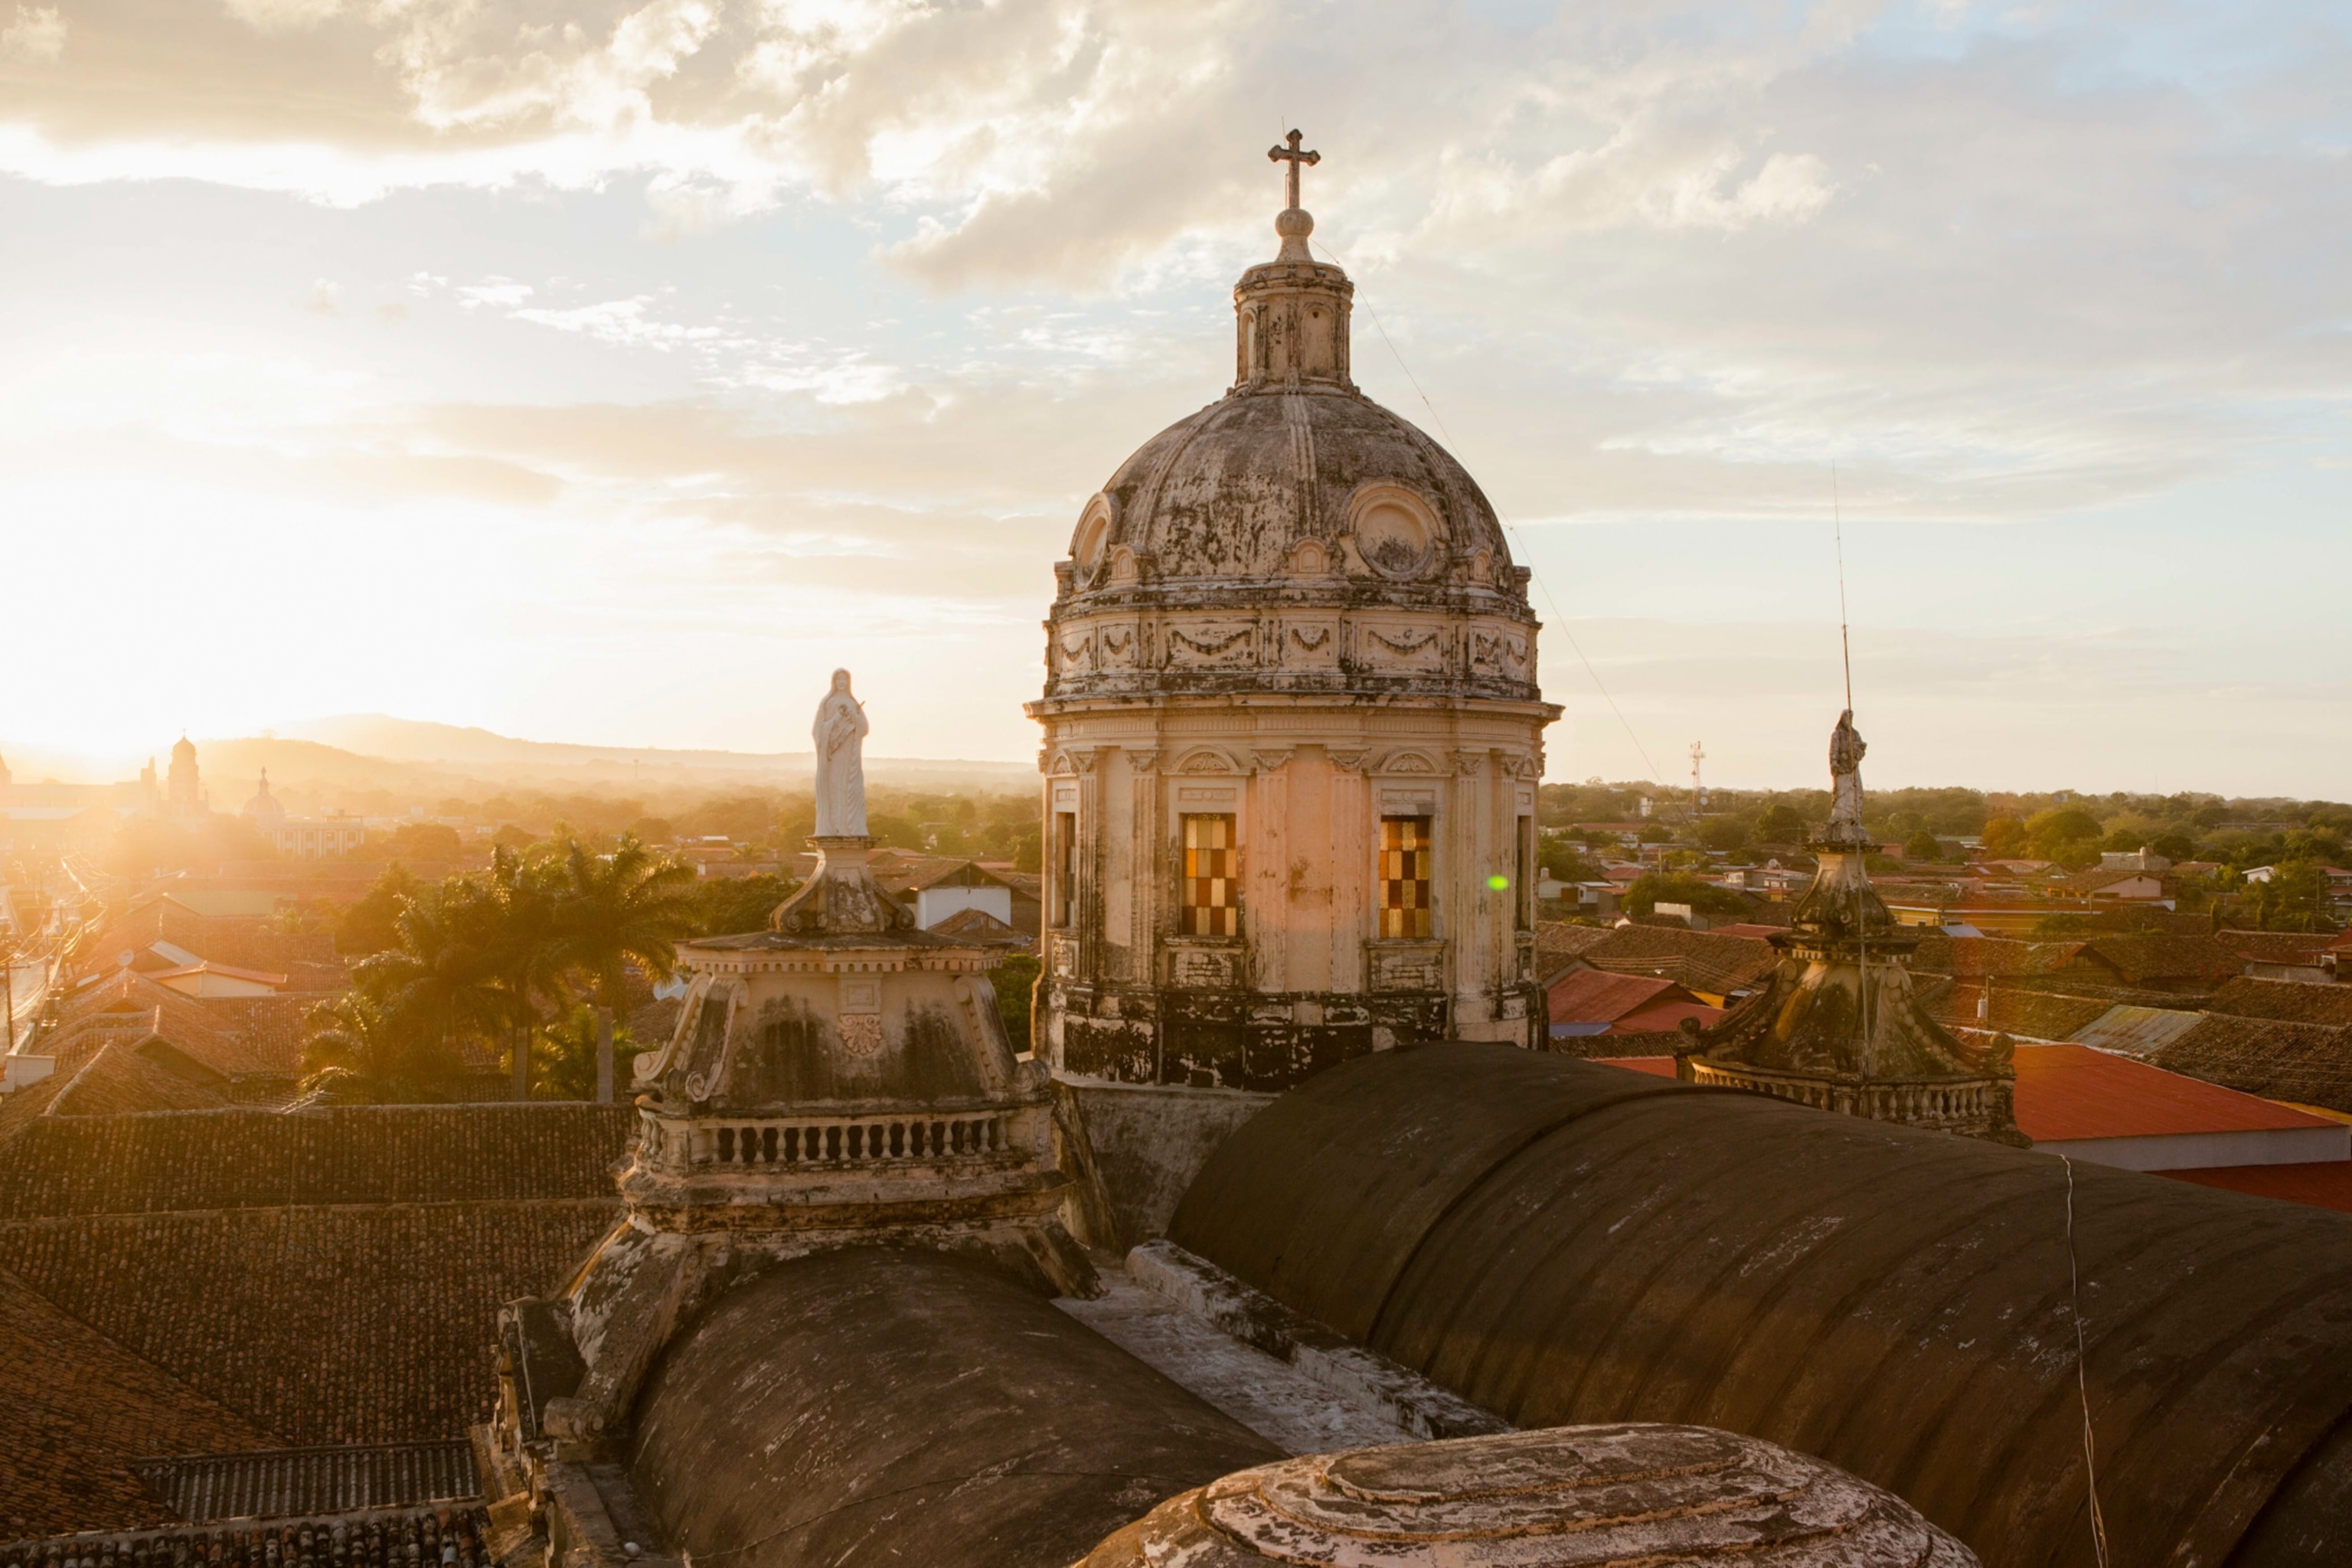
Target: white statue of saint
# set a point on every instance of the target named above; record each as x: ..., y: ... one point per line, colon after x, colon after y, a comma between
x: 840, y: 735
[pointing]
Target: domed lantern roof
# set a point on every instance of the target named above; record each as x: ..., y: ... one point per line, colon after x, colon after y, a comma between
x: 1294, y: 489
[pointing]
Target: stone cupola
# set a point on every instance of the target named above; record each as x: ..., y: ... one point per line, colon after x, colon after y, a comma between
x: 1291, y: 314
x: 1839, y: 1027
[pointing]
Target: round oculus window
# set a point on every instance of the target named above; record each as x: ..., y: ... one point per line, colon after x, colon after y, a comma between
x: 1393, y: 539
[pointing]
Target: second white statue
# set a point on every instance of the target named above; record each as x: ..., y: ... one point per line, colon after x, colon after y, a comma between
x: 840, y: 736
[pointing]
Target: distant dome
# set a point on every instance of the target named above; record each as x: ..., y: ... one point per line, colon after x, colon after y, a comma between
x: 1233, y: 491
x: 183, y: 749
x: 265, y: 809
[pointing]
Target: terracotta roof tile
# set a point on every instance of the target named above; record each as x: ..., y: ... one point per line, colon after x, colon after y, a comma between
x: 2310, y: 1064
x: 2140, y: 959
x: 79, y: 1408
x: 125, y: 1078
x: 2297, y: 1001
x: 1702, y: 961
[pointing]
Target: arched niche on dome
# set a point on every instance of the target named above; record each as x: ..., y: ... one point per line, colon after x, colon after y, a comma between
x: 1309, y: 558
x: 1090, y: 546
x: 1397, y: 532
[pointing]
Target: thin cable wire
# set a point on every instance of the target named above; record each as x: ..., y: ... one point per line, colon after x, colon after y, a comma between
x: 1558, y: 618
x: 1845, y: 644
x: 2082, y: 1380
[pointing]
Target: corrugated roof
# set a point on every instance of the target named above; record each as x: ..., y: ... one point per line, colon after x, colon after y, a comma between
x: 278, y: 1482
x: 1597, y: 996
x: 1703, y: 961
x: 2136, y: 1031
x: 2069, y: 1092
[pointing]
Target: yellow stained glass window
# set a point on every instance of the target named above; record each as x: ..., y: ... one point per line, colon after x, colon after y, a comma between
x: 1404, y: 877
x: 1211, y: 904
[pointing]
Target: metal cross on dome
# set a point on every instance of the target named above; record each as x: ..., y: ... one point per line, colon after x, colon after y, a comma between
x: 1294, y: 157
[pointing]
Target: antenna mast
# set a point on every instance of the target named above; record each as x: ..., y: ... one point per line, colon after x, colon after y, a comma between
x: 1698, y: 792
x: 1845, y: 644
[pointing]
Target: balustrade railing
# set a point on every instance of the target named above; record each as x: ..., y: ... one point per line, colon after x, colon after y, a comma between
x: 1919, y: 1104
x: 833, y: 1140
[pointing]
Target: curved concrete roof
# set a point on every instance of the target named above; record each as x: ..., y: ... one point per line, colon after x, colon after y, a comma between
x: 877, y: 1406
x: 1563, y: 1242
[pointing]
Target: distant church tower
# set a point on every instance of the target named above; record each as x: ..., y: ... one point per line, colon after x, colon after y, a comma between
x: 184, y: 792
x: 1292, y: 731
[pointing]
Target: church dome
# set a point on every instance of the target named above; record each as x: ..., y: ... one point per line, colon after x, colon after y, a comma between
x: 1238, y: 489
x: 1293, y: 536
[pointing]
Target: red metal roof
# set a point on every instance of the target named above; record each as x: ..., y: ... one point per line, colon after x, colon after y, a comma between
x: 1666, y: 1014
x: 1597, y: 996
x: 1656, y: 1066
x: 2066, y: 1093
x: 2323, y: 1183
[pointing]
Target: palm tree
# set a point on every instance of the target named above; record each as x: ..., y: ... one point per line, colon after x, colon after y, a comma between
x: 628, y: 906
x: 358, y: 1036
x: 442, y: 980
x: 527, y: 957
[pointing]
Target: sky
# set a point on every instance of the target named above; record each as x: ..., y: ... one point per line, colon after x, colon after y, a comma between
x: 612, y: 371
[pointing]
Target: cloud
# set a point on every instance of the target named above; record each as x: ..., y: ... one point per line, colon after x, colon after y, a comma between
x: 36, y: 36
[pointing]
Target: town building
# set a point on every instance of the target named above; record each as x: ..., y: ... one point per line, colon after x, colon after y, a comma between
x: 301, y: 838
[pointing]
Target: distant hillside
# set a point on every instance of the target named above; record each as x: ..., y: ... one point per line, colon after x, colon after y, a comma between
x: 422, y: 741
x: 445, y: 749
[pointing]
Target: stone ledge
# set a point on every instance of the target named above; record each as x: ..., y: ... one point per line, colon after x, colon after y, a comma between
x: 1396, y: 1391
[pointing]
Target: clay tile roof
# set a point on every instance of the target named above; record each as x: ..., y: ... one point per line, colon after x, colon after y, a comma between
x: 2310, y: 1064
x: 1977, y: 957
x: 1556, y: 940
x: 81, y: 1407
x: 125, y: 1078
x: 2296, y: 1001
x: 2143, y: 958
x: 2024, y: 1015
x: 2276, y: 946
x: 333, y: 1275
x: 1702, y: 961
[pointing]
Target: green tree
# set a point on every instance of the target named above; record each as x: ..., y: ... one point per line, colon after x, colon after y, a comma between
x: 1725, y: 833
x: 624, y: 908
x: 1780, y: 823
x: 1652, y: 889
x: 2066, y: 834
x: 2005, y: 838
x: 724, y: 906
x: 375, y: 1053
x: 2174, y: 847
x: 563, y: 1064
x: 442, y: 981
x: 2294, y: 897
x: 1923, y: 846
x: 372, y: 925
x: 1015, y: 981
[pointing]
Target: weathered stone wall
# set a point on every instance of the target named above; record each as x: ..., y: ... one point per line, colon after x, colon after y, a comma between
x: 1146, y: 1145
